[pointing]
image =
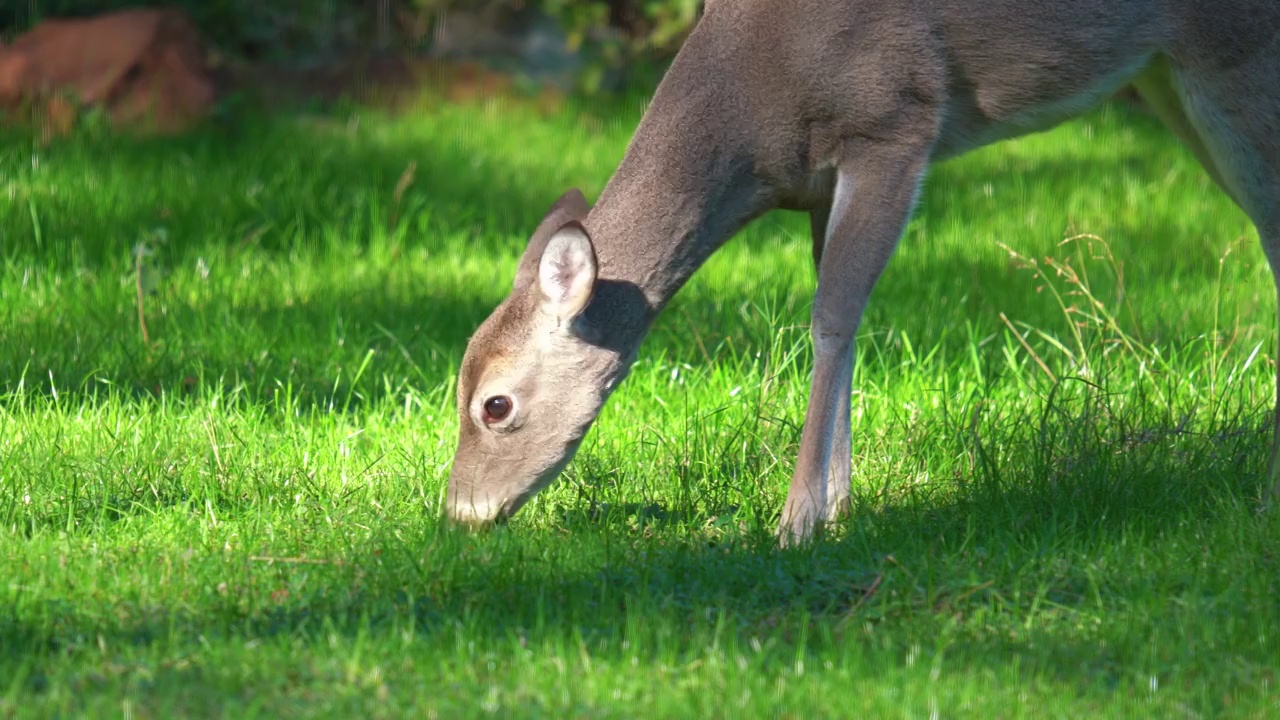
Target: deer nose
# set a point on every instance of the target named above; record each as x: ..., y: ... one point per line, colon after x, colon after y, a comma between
x: 476, y: 510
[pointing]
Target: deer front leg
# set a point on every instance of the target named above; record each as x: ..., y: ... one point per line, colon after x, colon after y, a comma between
x: 839, y: 475
x: 875, y: 191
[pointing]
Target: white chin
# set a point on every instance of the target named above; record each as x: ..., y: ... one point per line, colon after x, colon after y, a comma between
x: 476, y: 510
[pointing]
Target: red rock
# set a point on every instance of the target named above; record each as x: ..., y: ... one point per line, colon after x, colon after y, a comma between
x: 145, y: 68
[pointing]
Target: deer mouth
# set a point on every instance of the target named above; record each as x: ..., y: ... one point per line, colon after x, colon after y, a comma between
x: 512, y: 505
x: 475, y: 513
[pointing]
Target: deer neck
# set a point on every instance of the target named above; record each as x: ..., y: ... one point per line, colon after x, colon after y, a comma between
x: 684, y: 186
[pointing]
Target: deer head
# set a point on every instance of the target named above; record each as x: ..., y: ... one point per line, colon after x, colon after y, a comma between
x: 534, y: 375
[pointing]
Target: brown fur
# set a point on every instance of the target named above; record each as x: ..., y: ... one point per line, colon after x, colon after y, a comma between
x: 838, y: 108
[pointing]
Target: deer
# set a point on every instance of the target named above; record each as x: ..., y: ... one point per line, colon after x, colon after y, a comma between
x: 835, y: 108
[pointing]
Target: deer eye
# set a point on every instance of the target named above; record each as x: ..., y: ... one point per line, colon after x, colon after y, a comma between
x: 496, y: 409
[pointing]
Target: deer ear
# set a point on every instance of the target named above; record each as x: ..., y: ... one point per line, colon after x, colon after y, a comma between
x: 573, y: 203
x: 567, y: 272
x: 571, y: 207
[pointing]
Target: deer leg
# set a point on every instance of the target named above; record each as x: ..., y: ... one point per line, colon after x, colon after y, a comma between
x: 1155, y: 85
x: 1271, y: 244
x: 838, y: 477
x: 1231, y: 118
x: 875, y: 191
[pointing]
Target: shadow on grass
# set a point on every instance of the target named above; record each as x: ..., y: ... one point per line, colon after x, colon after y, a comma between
x: 1111, y: 523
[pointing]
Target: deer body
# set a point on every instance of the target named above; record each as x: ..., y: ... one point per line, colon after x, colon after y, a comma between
x: 837, y: 108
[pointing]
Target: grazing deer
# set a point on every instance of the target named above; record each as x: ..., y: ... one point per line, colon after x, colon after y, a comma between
x: 834, y: 107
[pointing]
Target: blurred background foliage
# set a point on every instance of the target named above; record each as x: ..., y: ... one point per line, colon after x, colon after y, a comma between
x: 612, y: 42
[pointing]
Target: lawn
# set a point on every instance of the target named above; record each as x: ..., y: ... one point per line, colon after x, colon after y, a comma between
x: 227, y: 414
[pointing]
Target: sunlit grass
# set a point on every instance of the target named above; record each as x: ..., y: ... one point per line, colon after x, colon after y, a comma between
x: 1056, y: 476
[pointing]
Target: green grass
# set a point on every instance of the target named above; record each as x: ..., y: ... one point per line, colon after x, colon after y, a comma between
x: 240, y: 519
